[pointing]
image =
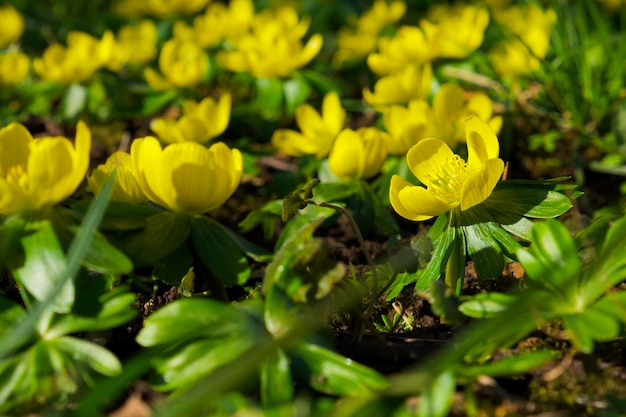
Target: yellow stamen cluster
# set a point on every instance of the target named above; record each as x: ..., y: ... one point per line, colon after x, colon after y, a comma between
x: 446, y: 182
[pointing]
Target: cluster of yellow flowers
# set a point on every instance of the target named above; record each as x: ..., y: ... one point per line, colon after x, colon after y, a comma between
x: 14, y: 65
x: 183, y: 177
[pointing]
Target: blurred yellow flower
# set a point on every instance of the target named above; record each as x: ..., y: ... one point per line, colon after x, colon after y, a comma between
x: 39, y: 173
x: 318, y: 130
x: 273, y: 47
x: 407, y: 47
x: 12, y: 25
x: 452, y: 105
x: 218, y: 23
x: 200, y: 122
x: 137, y: 44
x: 186, y: 177
x: 449, y: 181
x: 125, y: 188
x: 14, y: 67
x: 357, y: 42
x: 408, y: 84
x: 407, y: 125
x: 77, y: 61
x: 183, y: 64
x: 454, y: 31
x: 358, y: 154
x: 530, y: 27
x: 158, y: 8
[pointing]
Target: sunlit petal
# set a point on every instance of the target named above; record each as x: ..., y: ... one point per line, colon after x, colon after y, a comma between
x: 427, y: 157
x: 480, y: 183
x: 50, y: 171
x: 333, y: 114
x: 482, y: 142
x: 15, y: 142
x: 414, y: 202
x: 347, y: 157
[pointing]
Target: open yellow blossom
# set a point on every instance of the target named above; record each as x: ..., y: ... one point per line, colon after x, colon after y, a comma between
x: 452, y: 105
x: 200, y: 122
x: 358, y: 154
x: 357, y: 42
x: 273, y: 47
x: 136, y: 44
x: 218, y: 23
x: 318, y: 130
x: 12, y: 25
x: 407, y: 125
x: 125, y: 188
x: 14, y: 67
x: 183, y: 64
x: 408, y: 84
x: 454, y: 31
x: 449, y: 181
x: 186, y: 177
x: 39, y: 173
x: 407, y: 47
x: 77, y: 61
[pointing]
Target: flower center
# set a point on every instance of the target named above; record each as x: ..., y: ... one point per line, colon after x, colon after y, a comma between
x: 447, y: 181
x: 17, y: 175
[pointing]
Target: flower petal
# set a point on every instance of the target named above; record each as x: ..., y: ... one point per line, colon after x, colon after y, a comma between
x: 414, y: 202
x: 333, y: 114
x: 293, y: 143
x: 480, y: 183
x: 146, y: 154
x: 51, y: 171
x: 426, y: 157
x: 482, y: 142
x: 347, y: 157
x: 15, y: 142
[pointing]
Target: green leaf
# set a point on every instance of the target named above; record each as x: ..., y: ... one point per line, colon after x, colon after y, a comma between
x: 45, y: 267
x: 276, y: 384
x: 485, y: 305
x: 436, y: 401
x: 331, y: 373
x: 105, y: 258
x: 484, y: 250
x: 552, y: 259
x: 163, y: 233
x: 219, y: 251
x: 590, y: 326
x: 438, y: 260
x: 513, y: 199
x: 173, y: 267
x: 97, y: 357
x: 296, y: 90
x: 10, y: 313
x: 508, y: 366
x: 74, y: 101
x: 154, y: 102
x: 269, y: 97
x: 281, y: 314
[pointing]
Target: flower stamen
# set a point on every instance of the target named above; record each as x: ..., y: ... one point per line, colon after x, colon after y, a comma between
x: 447, y: 181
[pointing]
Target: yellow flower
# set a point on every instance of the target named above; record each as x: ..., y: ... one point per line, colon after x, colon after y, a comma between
x: 184, y: 64
x: 454, y: 31
x: 186, y: 177
x: 83, y: 56
x: 450, y: 181
x: 407, y: 125
x: 12, y: 25
x: 158, y: 8
x: 401, y: 87
x: 136, y: 44
x: 14, y: 67
x: 357, y: 42
x: 39, y: 173
x: 407, y: 47
x: 512, y: 59
x: 358, y: 154
x: 318, y: 130
x: 200, y: 122
x: 219, y: 22
x: 125, y: 188
x: 452, y: 106
x: 273, y: 47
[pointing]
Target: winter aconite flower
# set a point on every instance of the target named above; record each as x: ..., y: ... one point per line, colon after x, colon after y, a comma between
x: 186, y: 177
x: 449, y: 181
x: 407, y: 125
x: 408, y: 84
x: 39, y: 173
x: 14, y: 67
x: 200, y: 122
x: 318, y: 130
x: 12, y: 25
x: 126, y: 188
x: 183, y: 64
x: 358, y: 154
